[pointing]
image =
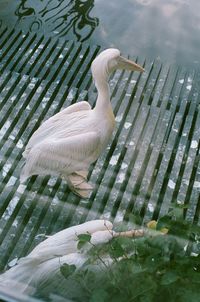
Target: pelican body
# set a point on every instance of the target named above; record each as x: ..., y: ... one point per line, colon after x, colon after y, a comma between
x: 67, y: 143
x: 40, y: 269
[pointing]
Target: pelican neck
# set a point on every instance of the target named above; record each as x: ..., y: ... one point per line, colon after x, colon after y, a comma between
x: 103, y: 98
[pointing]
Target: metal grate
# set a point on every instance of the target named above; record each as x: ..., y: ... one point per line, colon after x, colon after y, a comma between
x: 151, y: 163
x: 46, y: 58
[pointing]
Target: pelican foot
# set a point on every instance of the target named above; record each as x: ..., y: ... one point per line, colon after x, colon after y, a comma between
x: 78, y: 184
x: 83, y: 193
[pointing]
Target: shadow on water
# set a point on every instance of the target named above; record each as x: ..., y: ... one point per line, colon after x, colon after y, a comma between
x: 63, y: 18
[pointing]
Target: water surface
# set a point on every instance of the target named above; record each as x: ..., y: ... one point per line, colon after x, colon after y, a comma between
x: 168, y: 29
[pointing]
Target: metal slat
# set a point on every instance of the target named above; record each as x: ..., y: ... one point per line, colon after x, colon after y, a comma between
x: 14, y: 50
x: 175, y: 177
x: 152, y: 82
x: 7, y: 88
x: 143, y: 158
x: 182, y: 107
x: 26, y: 61
x: 20, y: 123
x: 172, y: 97
x: 191, y: 169
x: 155, y: 199
x: 3, y: 30
x: 26, y: 115
x: 42, y: 57
x: 20, y: 201
x: 168, y: 88
x: 137, y: 166
x: 11, y: 46
x: 180, y: 156
x: 4, y: 42
x: 157, y: 145
x: 41, y: 63
x: 11, y: 106
x: 160, y: 85
x: 21, y: 51
x: 52, y: 60
x: 53, y: 72
x: 37, y: 57
x: 192, y: 196
x: 62, y: 93
x: 84, y: 79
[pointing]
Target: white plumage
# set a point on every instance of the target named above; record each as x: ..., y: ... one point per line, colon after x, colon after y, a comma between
x: 42, y: 265
x: 66, y: 144
x: 41, y: 268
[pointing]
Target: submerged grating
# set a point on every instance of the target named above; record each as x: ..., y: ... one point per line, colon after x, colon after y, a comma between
x: 46, y: 58
x: 151, y: 163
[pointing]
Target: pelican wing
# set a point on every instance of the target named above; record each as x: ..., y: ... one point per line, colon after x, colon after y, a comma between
x: 54, y: 123
x: 62, y: 156
x: 41, y: 268
x: 65, y: 241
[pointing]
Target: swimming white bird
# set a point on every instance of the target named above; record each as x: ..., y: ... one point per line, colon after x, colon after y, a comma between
x: 67, y: 143
x: 41, y: 268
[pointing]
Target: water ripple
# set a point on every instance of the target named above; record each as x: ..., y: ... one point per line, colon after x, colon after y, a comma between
x: 62, y: 18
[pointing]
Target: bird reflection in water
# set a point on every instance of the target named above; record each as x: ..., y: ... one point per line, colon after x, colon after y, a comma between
x: 61, y: 18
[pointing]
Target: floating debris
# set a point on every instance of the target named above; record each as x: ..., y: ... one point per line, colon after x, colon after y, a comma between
x: 197, y: 184
x: 114, y: 159
x: 189, y: 87
x: 124, y: 166
x: 150, y: 207
x: 119, y: 118
x: 121, y: 177
x: 6, y: 169
x: 21, y: 188
x: 127, y: 125
x: 194, y: 144
x: 13, y: 262
x: 171, y: 184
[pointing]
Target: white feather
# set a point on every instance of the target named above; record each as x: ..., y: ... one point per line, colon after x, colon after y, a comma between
x: 40, y: 270
x: 74, y: 138
x: 43, y: 264
x: 65, y: 241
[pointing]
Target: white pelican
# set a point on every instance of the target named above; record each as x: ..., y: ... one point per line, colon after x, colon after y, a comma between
x: 67, y: 143
x: 41, y: 268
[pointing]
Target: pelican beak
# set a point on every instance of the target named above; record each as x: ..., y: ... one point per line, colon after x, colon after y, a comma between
x: 124, y: 63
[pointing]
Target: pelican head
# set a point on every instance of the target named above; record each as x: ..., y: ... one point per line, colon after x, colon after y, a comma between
x: 109, y: 60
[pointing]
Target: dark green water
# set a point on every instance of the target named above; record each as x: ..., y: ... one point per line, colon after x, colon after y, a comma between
x: 168, y: 29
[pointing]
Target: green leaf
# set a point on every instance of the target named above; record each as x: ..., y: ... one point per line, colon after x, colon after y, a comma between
x: 67, y: 270
x: 189, y: 295
x: 180, y: 228
x: 83, y: 239
x: 90, y: 277
x: 178, y: 212
x: 99, y: 295
x: 164, y: 222
x: 169, y: 277
x: 116, y: 250
x: 81, y: 244
x: 153, y: 267
x: 135, y: 218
